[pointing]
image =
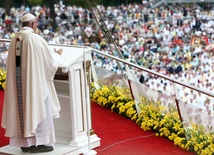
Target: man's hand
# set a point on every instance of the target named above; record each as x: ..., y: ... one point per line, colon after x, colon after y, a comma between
x: 59, y: 51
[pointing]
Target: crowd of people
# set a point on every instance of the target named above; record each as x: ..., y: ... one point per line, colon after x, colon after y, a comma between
x: 170, y: 40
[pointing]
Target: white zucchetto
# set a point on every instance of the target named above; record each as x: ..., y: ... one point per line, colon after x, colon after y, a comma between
x: 28, y: 17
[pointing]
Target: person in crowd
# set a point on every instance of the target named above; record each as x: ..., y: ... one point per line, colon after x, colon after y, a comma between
x: 154, y: 38
x: 30, y: 101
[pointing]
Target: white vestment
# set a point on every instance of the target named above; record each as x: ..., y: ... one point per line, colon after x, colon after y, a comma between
x: 38, y: 67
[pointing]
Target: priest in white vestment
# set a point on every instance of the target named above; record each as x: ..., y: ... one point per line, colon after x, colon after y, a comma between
x: 30, y: 101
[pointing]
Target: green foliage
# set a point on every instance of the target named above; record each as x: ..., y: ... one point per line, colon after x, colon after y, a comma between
x: 35, y: 2
x: 2, y: 3
x: 119, y: 2
x: 83, y: 3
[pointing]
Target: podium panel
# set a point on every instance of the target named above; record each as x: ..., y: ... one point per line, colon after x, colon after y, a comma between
x: 75, y: 117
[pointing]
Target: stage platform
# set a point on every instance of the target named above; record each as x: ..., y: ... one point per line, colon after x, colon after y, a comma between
x: 59, y: 149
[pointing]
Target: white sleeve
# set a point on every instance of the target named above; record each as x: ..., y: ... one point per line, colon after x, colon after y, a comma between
x: 57, y: 57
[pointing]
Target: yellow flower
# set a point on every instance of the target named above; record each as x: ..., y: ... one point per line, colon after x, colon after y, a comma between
x: 2, y: 78
x: 181, y: 131
x: 172, y: 136
x: 143, y: 125
x: 128, y: 105
x: 153, y: 115
x: 200, y: 145
x: 165, y: 131
x: 150, y: 123
x: 207, y: 150
x: 211, y: 146
x: 176, y: 126
x: 134, y: 117
x: 156, y: 126
x: 3, y: 85
x: 122, y: 109
x: 161, y: 134
x: 182, y: 146
x: 111, y: 98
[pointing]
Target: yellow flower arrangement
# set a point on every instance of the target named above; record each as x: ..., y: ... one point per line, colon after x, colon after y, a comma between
x: 117, y: 99
x: 2, y: 78
x: 153, y: 116
x: 169, y: 125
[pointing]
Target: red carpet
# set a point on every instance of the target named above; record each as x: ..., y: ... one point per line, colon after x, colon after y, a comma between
x: 3, y: 140
x: 119, y: 135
